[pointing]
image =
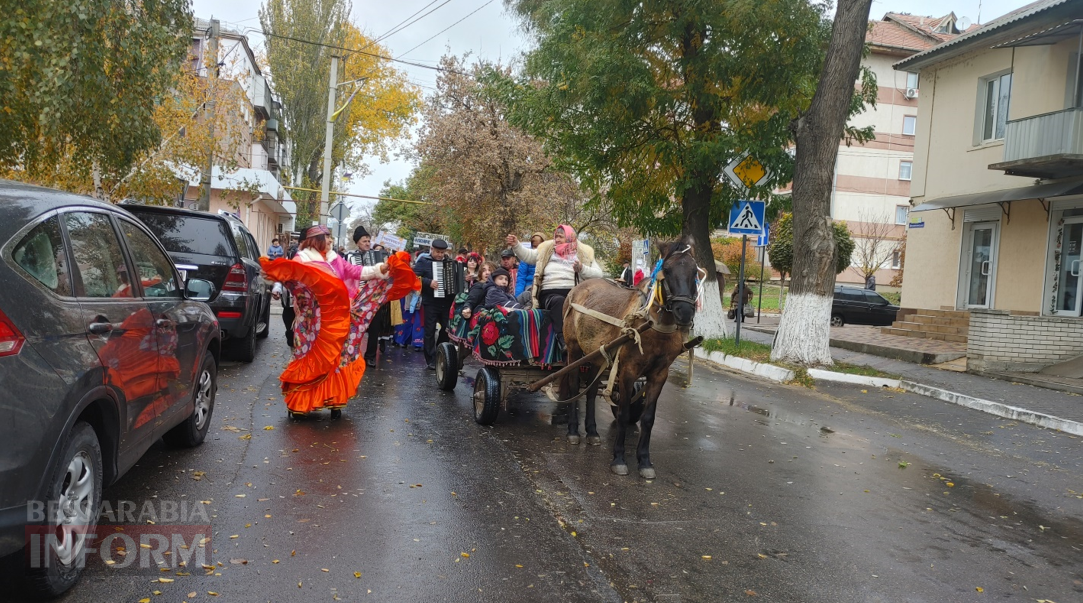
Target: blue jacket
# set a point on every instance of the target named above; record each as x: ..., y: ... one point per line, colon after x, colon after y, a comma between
x: 275, y: 252
x: 525, y: 280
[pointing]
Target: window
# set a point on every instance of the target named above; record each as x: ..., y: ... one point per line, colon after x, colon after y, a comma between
x: 905, y: 169
x: 910, y: 125
x: 155, y: 269
x: 995, y: 97
x: 902, y: 214
x: 911, y: 80
x: 874, y: 298
x: 98, y: 259
x: 41, y: 254
x: 896, y: 260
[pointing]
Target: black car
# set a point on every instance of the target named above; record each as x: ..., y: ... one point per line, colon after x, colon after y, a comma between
x: 861, y: 307
x: 103, y: 351
x: 218, y: 248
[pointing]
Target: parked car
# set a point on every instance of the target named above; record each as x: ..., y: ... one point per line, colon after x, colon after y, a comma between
x: 218, y: 248
x: 95, y: 365
x: 861, y: 307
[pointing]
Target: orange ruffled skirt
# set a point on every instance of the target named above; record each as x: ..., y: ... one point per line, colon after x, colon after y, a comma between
x: 327, y: 367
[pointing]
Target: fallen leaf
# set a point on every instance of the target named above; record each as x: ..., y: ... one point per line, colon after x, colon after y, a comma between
x: 198, y: 475
x: 212, y: 593
x: 274, y: 560
x: 707, y: 557
x: 145, y: 600
x: 239, y: 561
x: 192, y: 595
x: 155, y: 592
x: 235, y: 536
x: 246, y: 436
x: 269, y: 428
x: 979, y: 589
x: 465, y: 554
x: 165, y: 580
x: 751, y: 592
x: 324, y: 569
x: 357, y: 574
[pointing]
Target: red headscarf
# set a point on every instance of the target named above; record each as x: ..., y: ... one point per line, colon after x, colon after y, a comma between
x: 570, y: 247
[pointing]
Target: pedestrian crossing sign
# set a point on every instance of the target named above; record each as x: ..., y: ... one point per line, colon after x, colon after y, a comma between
x: 746, y: 217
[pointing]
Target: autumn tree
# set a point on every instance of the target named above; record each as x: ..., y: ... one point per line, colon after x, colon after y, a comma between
x: 411, y: 218
x: 496, y: 178
x: 804, y: 331
x: 646, y: 103
x: 80, y: 83
x: 302, y: 36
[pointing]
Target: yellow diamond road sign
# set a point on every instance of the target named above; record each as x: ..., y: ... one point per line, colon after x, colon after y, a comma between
x: 746, y: 171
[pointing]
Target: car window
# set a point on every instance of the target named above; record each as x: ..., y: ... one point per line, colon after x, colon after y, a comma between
x: 97, y: 257
x: 242, y: 244
x: 41, y: 254
x: 846, y: 295
x: 188, y: 234
x: 155, y: 269
x: 253, y: 247
x: 875, y: 298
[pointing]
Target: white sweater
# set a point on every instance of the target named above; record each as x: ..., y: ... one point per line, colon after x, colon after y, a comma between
x: 559, y: 273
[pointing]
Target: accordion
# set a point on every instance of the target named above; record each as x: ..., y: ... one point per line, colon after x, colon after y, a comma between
x: 367, y: 258
x: 450, y: 277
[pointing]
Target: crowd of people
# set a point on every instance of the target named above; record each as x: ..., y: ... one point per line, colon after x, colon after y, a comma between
x: 343, y: 310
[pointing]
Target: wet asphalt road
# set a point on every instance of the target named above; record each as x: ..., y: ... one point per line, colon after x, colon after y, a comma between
x: 764, y: 493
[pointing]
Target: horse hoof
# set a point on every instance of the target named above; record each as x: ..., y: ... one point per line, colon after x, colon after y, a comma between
x: 573, y: 439
x: 594, y: 440
x: 619, y: 469
x: 646, y: 472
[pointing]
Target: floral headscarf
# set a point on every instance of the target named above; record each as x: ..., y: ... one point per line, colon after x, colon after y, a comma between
x: 570, y: 247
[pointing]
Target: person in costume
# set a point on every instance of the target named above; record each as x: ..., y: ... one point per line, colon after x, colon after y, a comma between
x: 335, y: 302
x: 381, y: 323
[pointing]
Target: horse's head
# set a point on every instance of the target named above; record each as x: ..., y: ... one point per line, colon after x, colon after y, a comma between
x: 679, y: 281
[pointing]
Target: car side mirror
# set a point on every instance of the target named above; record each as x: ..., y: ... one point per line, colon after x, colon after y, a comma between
x: 197, y: 289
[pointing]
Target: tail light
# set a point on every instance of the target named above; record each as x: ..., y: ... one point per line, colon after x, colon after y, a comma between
x: 237, y: 280
x: 11, y: 340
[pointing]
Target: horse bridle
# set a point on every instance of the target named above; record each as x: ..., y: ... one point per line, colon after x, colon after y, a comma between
x: 666, y: 298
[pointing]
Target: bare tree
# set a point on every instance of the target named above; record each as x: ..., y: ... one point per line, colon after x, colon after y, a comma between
x: 876, y: 239
x: 804, y: 332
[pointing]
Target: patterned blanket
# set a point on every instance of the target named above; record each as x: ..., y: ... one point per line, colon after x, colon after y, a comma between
x: 502, y: 337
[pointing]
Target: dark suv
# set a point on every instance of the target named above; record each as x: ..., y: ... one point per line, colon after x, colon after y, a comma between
x: 218, y: 248
x: 102, y: 353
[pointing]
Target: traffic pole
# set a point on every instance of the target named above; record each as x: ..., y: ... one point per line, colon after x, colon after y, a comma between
x: 741, y: 289
x: 763, y: 261
x: 328, y: 145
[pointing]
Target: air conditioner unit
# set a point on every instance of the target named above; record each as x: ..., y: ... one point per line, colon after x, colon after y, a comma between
x: 911, y: 93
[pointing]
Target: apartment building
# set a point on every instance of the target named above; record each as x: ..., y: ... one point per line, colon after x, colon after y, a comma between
x: 248, y: 184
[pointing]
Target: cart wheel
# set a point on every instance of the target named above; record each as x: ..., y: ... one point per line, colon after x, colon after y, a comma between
x: 447, y: 366
x: 636, y: 409
x: 486, y: 396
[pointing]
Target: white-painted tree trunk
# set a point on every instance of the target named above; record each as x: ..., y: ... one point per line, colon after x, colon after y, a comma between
x: 804, y: 333
x: 711, y: 318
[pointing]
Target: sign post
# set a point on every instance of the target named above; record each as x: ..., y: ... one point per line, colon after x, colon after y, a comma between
x: 338, y: 210
x: 762, y: 242
x: 746, y: 218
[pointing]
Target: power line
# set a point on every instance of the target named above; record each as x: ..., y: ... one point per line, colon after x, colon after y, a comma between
x: 354, y: 51
x: 446, y: 28
x: 400, y: 27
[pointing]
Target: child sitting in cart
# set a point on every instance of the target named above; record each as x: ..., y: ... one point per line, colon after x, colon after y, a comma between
x: 496, y: 295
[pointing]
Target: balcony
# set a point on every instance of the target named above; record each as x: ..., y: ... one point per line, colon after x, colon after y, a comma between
x: 262, y: 101
x: 1048, y: 146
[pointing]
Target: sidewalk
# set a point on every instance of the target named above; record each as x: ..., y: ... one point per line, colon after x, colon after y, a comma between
x: 982, y: 393
x: 871, y: 340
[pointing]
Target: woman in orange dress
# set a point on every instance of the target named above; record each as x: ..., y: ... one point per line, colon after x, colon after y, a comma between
x: 335, y: 302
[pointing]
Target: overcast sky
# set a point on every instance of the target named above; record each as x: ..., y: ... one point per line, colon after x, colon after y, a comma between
x: 493, y: 34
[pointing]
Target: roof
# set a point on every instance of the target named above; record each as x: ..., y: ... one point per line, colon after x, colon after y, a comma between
x: 990, y: 33
x: 904, y: 32
x: 1041, y: 191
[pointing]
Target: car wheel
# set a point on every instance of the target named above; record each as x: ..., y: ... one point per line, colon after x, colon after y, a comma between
x: 263, y: 325
x: 244, y: 349
x: 836, y: 320
x: 75, y: 492
x: 193, y: 430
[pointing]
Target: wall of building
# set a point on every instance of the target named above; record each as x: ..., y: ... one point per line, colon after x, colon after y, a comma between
x: 932, y: 262
x: 1001, y: 341
x: 1021, y: 259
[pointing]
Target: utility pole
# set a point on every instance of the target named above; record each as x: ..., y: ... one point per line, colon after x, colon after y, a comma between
x: 205, y: 182
x: 325, y: 184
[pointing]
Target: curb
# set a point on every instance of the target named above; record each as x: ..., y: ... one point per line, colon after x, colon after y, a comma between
x: 781, y: 375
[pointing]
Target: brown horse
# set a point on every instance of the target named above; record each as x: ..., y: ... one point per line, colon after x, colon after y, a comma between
x: 672, y: 310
